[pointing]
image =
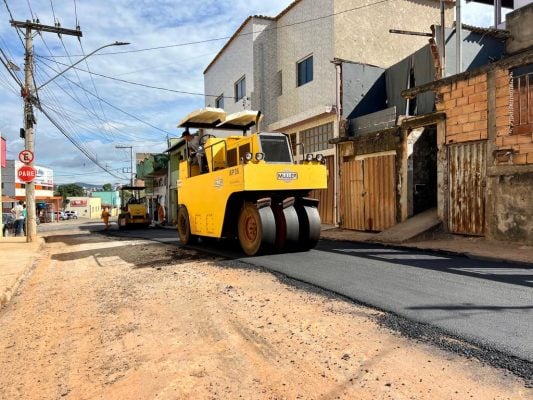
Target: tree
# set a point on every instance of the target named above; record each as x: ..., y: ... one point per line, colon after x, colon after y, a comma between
x: 70, y: 190
x: 107, y: 187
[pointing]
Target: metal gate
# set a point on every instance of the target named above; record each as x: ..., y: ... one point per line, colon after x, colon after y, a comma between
x: 326, y: 196
x: 467, y: 177
x: 368, y: 196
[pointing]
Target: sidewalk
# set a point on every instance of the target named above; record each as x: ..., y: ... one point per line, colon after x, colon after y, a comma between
x: 470, y: 246
x: 16, y: 259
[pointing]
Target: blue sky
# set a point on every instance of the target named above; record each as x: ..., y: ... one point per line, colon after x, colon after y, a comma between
x: 125, y: 114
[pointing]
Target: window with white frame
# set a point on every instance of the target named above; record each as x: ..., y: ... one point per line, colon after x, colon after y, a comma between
x: 240, y: 88
x: 305, y: 70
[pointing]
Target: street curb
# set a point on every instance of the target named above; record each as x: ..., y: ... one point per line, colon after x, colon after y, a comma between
x: 471, y: 256
x: 9, y: 292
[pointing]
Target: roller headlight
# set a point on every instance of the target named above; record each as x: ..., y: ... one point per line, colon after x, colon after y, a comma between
x: 248, y: 156
x: 309, y: 157
x: 319, y: 158
x: 259, y: 156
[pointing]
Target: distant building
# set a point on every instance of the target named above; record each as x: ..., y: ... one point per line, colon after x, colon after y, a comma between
x: 87, y: 207
x: 110, y: 199
x: 13, y: 189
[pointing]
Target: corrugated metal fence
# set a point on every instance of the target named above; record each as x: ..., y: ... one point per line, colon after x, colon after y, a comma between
x: 467, y: 177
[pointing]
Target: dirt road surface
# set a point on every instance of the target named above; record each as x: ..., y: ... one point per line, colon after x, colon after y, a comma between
x: 105, y: 318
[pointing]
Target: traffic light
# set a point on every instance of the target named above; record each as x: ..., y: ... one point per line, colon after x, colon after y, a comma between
x: 22, y: 133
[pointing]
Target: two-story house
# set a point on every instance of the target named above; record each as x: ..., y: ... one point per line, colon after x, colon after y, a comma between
x: 284, y: 66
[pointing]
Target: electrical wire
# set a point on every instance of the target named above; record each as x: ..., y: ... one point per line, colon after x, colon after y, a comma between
x: 68, y: 136
x: 245, y: 33
x: 31, y: 11
x: 138, y: 83
x: 56, y: 21
x: 115, y: 107
x: 12, y: 19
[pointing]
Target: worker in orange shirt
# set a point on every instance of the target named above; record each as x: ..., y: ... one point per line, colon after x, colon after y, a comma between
x: 105, y: 217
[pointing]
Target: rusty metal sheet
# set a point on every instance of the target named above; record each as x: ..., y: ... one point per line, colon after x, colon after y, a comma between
x: 467, y: 180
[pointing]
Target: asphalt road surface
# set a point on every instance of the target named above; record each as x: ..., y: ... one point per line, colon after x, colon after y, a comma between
x: 487, y: 303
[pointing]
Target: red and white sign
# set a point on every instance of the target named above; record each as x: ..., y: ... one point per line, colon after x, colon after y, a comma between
x: 26, y: 156
x: 26, y: 173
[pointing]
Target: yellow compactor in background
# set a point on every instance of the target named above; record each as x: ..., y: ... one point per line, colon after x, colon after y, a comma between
x: 253, y: 189
x: 132, y: 208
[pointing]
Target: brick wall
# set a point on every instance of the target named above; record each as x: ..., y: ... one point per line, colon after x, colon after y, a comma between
x: 465, y: 105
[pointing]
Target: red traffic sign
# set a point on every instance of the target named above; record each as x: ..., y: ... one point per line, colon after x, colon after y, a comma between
x: 26, y: 156
x: 26, y: 173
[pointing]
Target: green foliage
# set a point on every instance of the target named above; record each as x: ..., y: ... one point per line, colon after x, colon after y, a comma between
x: 107, y: 187
x: 69, y: 190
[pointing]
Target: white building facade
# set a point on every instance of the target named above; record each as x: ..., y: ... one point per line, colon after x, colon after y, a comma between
x: 287, y: 65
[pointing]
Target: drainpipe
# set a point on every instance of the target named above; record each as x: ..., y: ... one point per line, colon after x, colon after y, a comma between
x: 459, y: 37
x: 336, y: 158
x: 497, y: 13
x: 442, y: 39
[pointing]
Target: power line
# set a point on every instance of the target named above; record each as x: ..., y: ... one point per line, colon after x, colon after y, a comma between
x: 138, y: 83
x: 245, y: 33
x: 12, y: 19
x: 130, y: 136
x: 68, y: 136
x: 115, y: 107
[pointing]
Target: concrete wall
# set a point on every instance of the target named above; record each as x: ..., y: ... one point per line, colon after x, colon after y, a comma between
x: 363, y: 35
x: 92, y: 208
x: 8, y: 179
x: 519, y: 23
x: 512, y: 216
x: 267, y: 82
x: 298, y: 40
x: 363, y: 89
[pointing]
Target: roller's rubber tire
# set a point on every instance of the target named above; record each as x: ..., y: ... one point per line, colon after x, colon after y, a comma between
x: 184, y: 227
x: 256, y: 229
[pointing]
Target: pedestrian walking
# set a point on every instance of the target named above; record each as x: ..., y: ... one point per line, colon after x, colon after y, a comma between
x: 105, y: 217
x: 17, y: 211
x: 24, y: 214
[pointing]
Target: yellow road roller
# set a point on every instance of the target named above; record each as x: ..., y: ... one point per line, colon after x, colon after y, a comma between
x: 132, y: 209
x: 250, y: 188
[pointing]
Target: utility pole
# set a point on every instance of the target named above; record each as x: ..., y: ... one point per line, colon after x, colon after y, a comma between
x: 29, y: 99
x: 131, y: 160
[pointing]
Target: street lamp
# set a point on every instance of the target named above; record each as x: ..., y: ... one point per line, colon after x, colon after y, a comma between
x: 29, y: 120
x: 80, y: 60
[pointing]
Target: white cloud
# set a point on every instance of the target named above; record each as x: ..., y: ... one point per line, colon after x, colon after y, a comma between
x: 97, y: 125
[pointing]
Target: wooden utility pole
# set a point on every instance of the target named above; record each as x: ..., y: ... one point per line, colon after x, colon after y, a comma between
x: 28, y: 94
x: 131, y: 161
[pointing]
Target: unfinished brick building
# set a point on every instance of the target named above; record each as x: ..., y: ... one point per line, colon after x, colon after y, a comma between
x: 485, y: 141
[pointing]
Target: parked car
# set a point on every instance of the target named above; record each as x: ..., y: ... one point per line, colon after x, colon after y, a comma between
x: 60, y: 215
x: 71, y: 214
x: 8, y: 220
